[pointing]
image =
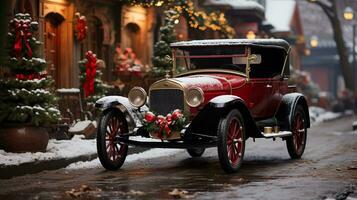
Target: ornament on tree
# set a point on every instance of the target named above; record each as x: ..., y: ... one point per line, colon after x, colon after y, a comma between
x: 81, y: 27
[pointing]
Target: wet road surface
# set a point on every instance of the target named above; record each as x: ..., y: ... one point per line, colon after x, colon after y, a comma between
x: 328, y: 169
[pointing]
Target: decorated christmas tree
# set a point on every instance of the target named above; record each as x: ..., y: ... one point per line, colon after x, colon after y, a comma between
x: 90, y: 77
x: 25, y: 96
x: 162, y: 60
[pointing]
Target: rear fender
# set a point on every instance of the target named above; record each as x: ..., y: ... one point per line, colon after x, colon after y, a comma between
x: 133, y: 115
x: 287, y: 108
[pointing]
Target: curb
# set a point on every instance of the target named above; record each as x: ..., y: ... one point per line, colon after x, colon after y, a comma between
x: 7, y: 172
x: 10, y: 171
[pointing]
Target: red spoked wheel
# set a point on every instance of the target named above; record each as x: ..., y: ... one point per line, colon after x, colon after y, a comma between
x: 235, y: 141
x: 231, y: 143
x: 111, y: 153
x: 297, y: 142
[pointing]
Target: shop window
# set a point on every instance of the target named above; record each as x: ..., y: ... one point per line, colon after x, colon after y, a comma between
x: 24, y: 6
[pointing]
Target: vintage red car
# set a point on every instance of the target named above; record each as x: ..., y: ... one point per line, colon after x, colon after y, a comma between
x: 226, y: 92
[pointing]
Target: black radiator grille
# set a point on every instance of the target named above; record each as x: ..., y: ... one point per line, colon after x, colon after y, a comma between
x: 164, y: 101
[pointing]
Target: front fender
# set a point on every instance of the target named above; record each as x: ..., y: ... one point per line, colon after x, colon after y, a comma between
x: 133, y: 115
x: 224, y: 101
x: 287, y: 108
x: 207, y: 120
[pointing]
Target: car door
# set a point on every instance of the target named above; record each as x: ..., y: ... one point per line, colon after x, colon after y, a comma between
x: 262, y: 90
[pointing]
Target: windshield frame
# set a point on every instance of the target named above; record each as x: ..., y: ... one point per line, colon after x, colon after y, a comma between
x: 247, y: 54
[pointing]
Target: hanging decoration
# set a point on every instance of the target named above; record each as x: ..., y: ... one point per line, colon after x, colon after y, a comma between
x: 88, y: 85
x: 81, y: 27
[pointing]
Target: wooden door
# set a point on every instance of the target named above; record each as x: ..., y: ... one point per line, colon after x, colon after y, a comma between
x: 52, y: 46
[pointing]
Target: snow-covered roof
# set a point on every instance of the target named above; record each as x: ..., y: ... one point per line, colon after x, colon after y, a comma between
x: 277, y: 43
x: 237, y: 4
x: 279, y: 13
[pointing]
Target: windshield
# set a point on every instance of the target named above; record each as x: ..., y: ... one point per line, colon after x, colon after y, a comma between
x: 210, y: 58
x: 267, y: 62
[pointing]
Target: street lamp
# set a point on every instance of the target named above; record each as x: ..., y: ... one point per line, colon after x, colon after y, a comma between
x: 349, y: 15
x: 314, y: 41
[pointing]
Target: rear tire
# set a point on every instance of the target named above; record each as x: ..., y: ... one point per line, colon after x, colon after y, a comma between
x: 297, y: 142
x: 231, y: 144
x: 111, y: 153
x: 196, y: 152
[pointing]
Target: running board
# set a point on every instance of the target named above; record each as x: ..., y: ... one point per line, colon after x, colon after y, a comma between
x: 279, y: 134
x: 170, y: 145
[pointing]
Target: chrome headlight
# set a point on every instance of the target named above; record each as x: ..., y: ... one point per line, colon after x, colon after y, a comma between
x: 137, y: 96
x: 194, y: 97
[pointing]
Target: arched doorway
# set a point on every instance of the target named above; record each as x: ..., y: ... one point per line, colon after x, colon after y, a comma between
x: 132, y: 33
x: 52, y: 45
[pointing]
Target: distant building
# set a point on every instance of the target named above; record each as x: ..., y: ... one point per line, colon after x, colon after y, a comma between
x: 322, y: 61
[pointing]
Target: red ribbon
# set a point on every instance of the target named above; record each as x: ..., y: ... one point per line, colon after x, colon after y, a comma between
x: 88, y: 85
x: 30, y: 76
x: 23, y: 33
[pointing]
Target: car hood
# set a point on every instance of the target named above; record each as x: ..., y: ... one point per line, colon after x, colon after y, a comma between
x: 212, y: 82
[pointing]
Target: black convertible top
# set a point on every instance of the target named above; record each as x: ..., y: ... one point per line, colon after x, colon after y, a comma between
x: 270, y: 43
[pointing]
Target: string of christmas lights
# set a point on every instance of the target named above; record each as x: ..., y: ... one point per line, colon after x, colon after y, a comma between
x: 198, y: 19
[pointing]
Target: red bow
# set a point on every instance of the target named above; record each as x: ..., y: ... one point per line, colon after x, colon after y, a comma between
x: 23, y: 34
x: 88, y: 85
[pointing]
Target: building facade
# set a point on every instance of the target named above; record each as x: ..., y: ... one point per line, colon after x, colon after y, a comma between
x: 110, y: 25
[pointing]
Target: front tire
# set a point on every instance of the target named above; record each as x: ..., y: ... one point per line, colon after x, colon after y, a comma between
x: 194, y: 153
x: 231, y: 144
x: 297, y: 142
x: 111, y: 153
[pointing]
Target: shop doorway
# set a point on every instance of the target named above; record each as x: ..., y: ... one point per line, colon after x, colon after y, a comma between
x: 52, y: 45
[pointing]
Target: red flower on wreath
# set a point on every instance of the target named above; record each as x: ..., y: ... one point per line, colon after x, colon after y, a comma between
x: 81, y: 27
x: 88, y: 85
x: 150, y: 117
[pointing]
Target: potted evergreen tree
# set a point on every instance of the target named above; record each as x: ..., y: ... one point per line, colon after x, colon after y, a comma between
x: 26, y: 102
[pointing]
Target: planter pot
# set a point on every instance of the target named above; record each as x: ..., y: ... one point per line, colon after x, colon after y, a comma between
x: 23, y: 139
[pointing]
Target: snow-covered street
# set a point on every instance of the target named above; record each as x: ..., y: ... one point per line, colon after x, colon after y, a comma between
x: 327, y: 170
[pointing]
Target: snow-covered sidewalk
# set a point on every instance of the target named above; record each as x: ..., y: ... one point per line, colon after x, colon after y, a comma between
x: 56, y: 149
x: 318, y: 115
